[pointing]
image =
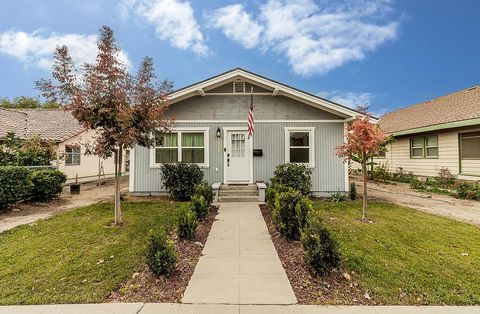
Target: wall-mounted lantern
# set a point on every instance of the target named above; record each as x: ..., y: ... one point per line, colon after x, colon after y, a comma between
x: 219, y: 133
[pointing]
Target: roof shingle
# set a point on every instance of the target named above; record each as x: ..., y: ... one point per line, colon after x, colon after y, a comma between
x: 50, y: 124
x: 458, y: 106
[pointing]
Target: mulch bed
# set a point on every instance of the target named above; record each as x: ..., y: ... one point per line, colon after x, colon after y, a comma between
x: 143, y: 286
x: 338, y: 287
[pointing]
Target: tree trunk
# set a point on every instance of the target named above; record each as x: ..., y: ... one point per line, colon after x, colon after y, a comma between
x: 365, y: 181
x: 118, y: 173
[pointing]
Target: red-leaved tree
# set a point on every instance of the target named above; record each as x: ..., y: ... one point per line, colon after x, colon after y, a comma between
x: 363, y: 140
x: 122, y: 109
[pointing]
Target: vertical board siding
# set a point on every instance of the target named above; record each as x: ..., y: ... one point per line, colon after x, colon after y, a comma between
x: 328, y: 174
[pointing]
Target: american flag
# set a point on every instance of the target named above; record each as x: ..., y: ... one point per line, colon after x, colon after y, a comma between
x: 251, y: 121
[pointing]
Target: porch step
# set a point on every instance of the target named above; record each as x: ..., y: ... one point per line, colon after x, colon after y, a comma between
x: 238, y: 187
x: 238, y: 192
x: 234, y: 198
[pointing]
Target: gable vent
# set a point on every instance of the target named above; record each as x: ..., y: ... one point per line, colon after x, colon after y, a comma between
x: 238, y: 87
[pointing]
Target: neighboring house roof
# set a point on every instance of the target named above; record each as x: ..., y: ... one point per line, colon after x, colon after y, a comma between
x: 444, y: 112
x: 277, y: 88
x: 50, y: 124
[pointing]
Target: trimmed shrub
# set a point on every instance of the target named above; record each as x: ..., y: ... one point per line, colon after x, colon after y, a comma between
x: 161, y: 255
x: 467, y: 190
x: 180, y: 179
x: 272, y: 191
x: 302, y: 209
x: 320, y: 250
x: 284, y: 214
x: 206, y: 190
x: 295, y: 176
x: 187, y: 224
x: 15, y: 185
x: 200, y: 206
x: 353, y: 191
x: 46, y: 184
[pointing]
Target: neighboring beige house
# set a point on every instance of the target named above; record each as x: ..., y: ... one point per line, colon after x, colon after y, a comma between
x: 442, y: 132
x: 62, y: 129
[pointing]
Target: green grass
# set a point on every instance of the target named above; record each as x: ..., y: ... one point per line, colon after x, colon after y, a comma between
x: 58, y: 260
x: 407, y: 256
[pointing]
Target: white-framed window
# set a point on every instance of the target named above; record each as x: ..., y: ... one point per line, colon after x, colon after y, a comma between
x: 72, y: 155
x: 299, y: 145
x: 189, y: 145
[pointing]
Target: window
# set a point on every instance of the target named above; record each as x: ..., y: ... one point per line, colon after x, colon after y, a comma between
x: 299, y: 146
x: 72, y: 155
x: 470, y: 145
x: 424, y: 147
x: 186, y: 145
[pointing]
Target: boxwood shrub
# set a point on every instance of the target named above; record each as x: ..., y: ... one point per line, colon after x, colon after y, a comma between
x: 15, y: 185
x: 180, y: 179
x: 161, y: 255
x: 46, y: 184
x: 284, y: 214
x: 295, y: 176
x: 204, y: 189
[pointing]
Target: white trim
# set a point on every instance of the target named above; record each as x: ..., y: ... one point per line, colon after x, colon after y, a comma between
x: 225, y: 143
x: 236, y: 94
x: 347, y: 178
x: 275, y: 92
x: 311, y: 151
x: 260, y: 121
x: 201, y: 92
x: 131, y: 171
x: 179, y: 130
x: 283, y: 90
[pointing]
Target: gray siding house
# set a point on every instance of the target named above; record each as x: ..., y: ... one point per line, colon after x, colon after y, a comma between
x: 211, y: 130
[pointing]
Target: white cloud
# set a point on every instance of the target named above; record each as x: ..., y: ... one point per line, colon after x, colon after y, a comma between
x: 173, y: 21
x: 237, y: 25
x: 349, y: 99
x: 314, y: 38
x: 33, y: 49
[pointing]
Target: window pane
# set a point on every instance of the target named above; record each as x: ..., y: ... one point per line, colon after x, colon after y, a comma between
x: 417, y: 152
x: 68, y: 159
x: 192, y: 139
x: 299, y: 155
x: 193, y: 155
x: 432, y: 141
x: 471, y: 147
x: 166, y: 155
x: 432, y: 152
x: 417, y: 142
x: 299, y: 139
x: 166, y: 139
x: 238, y: 145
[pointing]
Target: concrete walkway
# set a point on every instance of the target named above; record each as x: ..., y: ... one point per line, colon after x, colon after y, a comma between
x: 239, y: 264
x: 150, y: 308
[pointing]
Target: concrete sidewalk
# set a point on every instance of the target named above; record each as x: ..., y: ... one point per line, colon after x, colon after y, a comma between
x: 150, y: 308
x: 239, y: 264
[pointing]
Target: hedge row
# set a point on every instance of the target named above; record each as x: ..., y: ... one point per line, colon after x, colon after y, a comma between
x: 22, y: 183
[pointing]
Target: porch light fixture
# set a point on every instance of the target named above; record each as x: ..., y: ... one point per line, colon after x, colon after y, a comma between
x: 219, y: 133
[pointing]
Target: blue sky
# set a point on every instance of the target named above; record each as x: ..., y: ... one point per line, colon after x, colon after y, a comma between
x: 386, y: 53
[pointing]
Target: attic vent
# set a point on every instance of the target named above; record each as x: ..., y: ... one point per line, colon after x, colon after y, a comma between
x: 239, y: 87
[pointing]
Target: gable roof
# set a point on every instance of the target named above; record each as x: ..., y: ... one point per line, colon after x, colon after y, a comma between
x: 459, y: 106
x: 50, y: 124
x: 262, y: 81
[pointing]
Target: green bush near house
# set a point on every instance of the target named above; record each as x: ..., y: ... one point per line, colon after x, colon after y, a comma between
x: 187, y: 224
x: 180, y: 179
x: 467, y: 190
x: 161, y: 254
x: 303, y: 207
x: 200, y: 206
x: 272, y: 191
x: 296, y: 176
x: 353, y: 191
x: 320, y: 250
x: 284, y: 214
x: 204, y: 189
x: 46, y: 184
x: 15, y: 185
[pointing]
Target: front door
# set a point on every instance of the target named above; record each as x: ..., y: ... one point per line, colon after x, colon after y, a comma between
x: 238, y: 157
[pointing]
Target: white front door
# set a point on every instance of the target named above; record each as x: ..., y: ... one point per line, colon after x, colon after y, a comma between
x: 238, y: 157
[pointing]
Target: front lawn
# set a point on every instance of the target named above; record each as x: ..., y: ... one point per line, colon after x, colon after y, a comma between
x: 77, y: 256
x: 406, y: 256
